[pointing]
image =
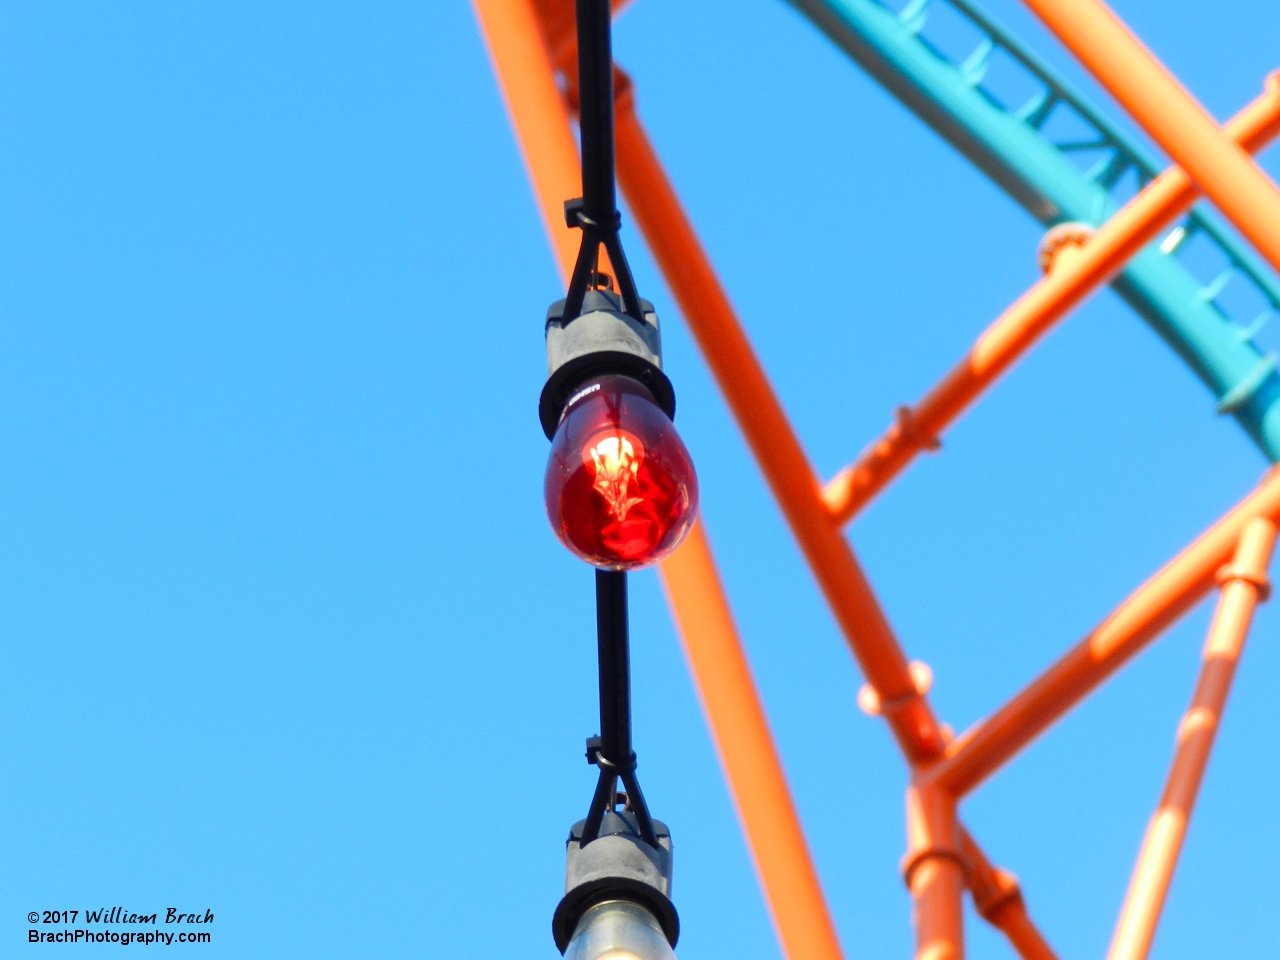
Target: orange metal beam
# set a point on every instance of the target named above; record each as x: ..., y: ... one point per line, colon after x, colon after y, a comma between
x: 1173, y: 590
x: 936, y: 872
x: 537, y: 113
x: 1244, y: 586
x: 1072, y: 279
x: 742, y: 379
x: 756, y: 779
x: 998, y: 900
x: 745, y: 386
x: 1121, y: 63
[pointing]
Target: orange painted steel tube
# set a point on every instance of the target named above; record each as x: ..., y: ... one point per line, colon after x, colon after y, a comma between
x: 1173, y: 590
x: 760, y: 417
x: 1244, y: 586
x: 537, y: 113
x: 747, y: 753
x: 998, y: 900
x: 936, y: 872
x: 1072, y: 280
x: 1226, y: 174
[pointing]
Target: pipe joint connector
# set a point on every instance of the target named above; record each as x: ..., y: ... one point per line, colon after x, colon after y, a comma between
x: 906, y: 429
x: 933, y: 830
x: 916, y: 859
x: 1233, y: 572
x: 991, y: 899
x: 870, y: 702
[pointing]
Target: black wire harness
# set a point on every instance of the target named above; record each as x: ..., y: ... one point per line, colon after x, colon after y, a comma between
x: 596, y: 214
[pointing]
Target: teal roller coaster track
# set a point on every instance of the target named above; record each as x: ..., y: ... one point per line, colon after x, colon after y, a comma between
x: 1013, y: 144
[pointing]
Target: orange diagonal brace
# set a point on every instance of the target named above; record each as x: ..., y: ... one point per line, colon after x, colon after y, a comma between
x: 1157, y: 603
x: 1035, y: 312
x: 537, y: 113
x: 747, y: 753
x: 1244, y: 586
x: 1225, y: 173
x: 760, y: 417
x: 998, y: 900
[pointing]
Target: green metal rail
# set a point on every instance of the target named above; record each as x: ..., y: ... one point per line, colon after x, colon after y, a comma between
x: 1011, y: 145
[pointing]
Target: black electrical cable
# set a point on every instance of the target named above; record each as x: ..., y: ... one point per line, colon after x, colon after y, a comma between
x: 595, y: 108
x: 615, y: 665
x: 613, y: 753
x: 596, y: 213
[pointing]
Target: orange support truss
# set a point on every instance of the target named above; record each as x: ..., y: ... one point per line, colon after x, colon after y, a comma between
x: 1068, y: 283
x: 532, y: 46
x: 1244, y: 585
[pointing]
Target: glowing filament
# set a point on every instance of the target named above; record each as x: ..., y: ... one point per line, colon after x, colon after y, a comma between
x: 615, y: 461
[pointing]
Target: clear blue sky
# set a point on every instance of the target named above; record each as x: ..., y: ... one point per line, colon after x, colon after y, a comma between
x: 286, y: 635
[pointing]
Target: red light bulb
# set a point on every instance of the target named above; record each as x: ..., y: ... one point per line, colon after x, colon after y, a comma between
x: 620, y: 488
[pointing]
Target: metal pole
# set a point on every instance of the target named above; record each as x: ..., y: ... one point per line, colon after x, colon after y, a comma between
x: 741, y: 378
x: 538, y: 115
x: 778, y: 452
x: 1244, y: 585
x: 936, y: 872
x: 747, y: 752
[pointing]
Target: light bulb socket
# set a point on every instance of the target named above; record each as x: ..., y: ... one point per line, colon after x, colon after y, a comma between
x: 617, y: 865
x: 603, y: 339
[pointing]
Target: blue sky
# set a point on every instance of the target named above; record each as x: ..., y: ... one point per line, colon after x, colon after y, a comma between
x: 286, y: 634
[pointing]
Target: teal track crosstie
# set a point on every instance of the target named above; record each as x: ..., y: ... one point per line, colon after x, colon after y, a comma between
x: 1011, y: 146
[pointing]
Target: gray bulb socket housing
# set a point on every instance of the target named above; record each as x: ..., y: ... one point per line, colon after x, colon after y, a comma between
x: 603, y: 339
x: 617, y: 865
